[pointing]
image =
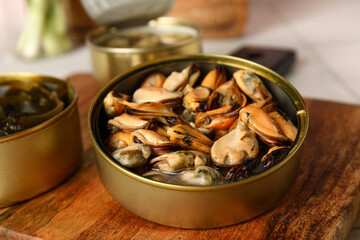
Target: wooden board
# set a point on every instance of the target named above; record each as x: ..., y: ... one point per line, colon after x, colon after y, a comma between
x: 322, y: 204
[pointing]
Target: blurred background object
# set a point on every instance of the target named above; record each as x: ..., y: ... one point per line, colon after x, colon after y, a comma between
x: 12, y: 18
x: 219, y: 18
x: 125, y: 13
x: 115, y: 50
x: 133, y: 32
x: 45, y: 32
x: 79, y: 22
x: 52, y: 27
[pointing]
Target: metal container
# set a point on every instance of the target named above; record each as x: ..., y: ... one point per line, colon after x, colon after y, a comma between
x: 194, y: 206
x: 36, y: 159
x: 109, y: 61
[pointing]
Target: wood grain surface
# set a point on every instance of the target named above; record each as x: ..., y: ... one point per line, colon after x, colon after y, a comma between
x: 322, y: 204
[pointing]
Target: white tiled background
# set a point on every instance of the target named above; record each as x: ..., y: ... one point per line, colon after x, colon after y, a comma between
x: 324, y: 33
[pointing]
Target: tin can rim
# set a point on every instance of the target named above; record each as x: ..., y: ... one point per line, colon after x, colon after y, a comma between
x: 161, y: 21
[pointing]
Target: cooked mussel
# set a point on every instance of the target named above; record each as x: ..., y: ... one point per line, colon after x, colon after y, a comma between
x: 114, y: 103
x: 268, y: 105
x: 251, y: 85
x: 180, y: 160
x: 159, y: 144
x: 159, y: 95
x: 217, y: 119
x: 152, y: 110
x: 154, y: 80
x: 196, y: 99
x: 286, y: 126
x: 189, y: 138
x: 201, y: 176
x: 227, y: 93
x: 118, y: 140
x: 132, y: 156
x: 214, y: 78
x: 127, y: 123
x: 274, y: 155
x: 263, y: 125
x: 235, y: 147
x: 177, y: 81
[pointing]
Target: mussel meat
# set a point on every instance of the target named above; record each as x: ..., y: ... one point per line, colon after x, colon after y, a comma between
x: 113, y: 103
x: 177, y: 81
x: 132, y: 156
x: 118, y: 140
x: 227, y: 93
x: 196, y: 99
x: 251, y: 85
x: 180, y: 160
x: 263, y: 125
x: 152, y: 110
x: 159, y: 144
x: 201, y: 176
x: 235, y: 147
x: 214, y: 78
x: 127, y: 123
x: 274, y: 155
x: 286, y: 126
x: 217, y: 119
x: 154, y: 80
x: 159, y: 95
x: 189, y: 138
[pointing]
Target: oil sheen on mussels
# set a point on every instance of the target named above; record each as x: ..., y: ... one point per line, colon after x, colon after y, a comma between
x: 187, y: 130
x: 26, y: 104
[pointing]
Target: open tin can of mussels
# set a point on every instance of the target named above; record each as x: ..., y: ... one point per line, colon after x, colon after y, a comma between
x: 126, y: 41
x: 192, y: 206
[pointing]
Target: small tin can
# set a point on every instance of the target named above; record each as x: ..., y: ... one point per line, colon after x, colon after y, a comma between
x: 38, y: 158
x: 115, y: 50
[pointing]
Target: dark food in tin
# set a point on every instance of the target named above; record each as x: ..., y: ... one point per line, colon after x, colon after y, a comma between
x: 214, y: 132
x: 26, y: 104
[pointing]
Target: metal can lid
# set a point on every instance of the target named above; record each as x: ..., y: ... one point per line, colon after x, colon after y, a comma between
x: 125, y: 13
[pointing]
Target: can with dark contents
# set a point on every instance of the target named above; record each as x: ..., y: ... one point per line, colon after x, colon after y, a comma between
x: 44, y: 153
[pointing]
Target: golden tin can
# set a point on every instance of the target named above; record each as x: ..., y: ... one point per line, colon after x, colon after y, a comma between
x: 115, y: 50
x: 199, y: 207
x: 38, y: 158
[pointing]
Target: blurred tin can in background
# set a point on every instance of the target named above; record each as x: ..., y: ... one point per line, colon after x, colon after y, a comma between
x: 134, y: 34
